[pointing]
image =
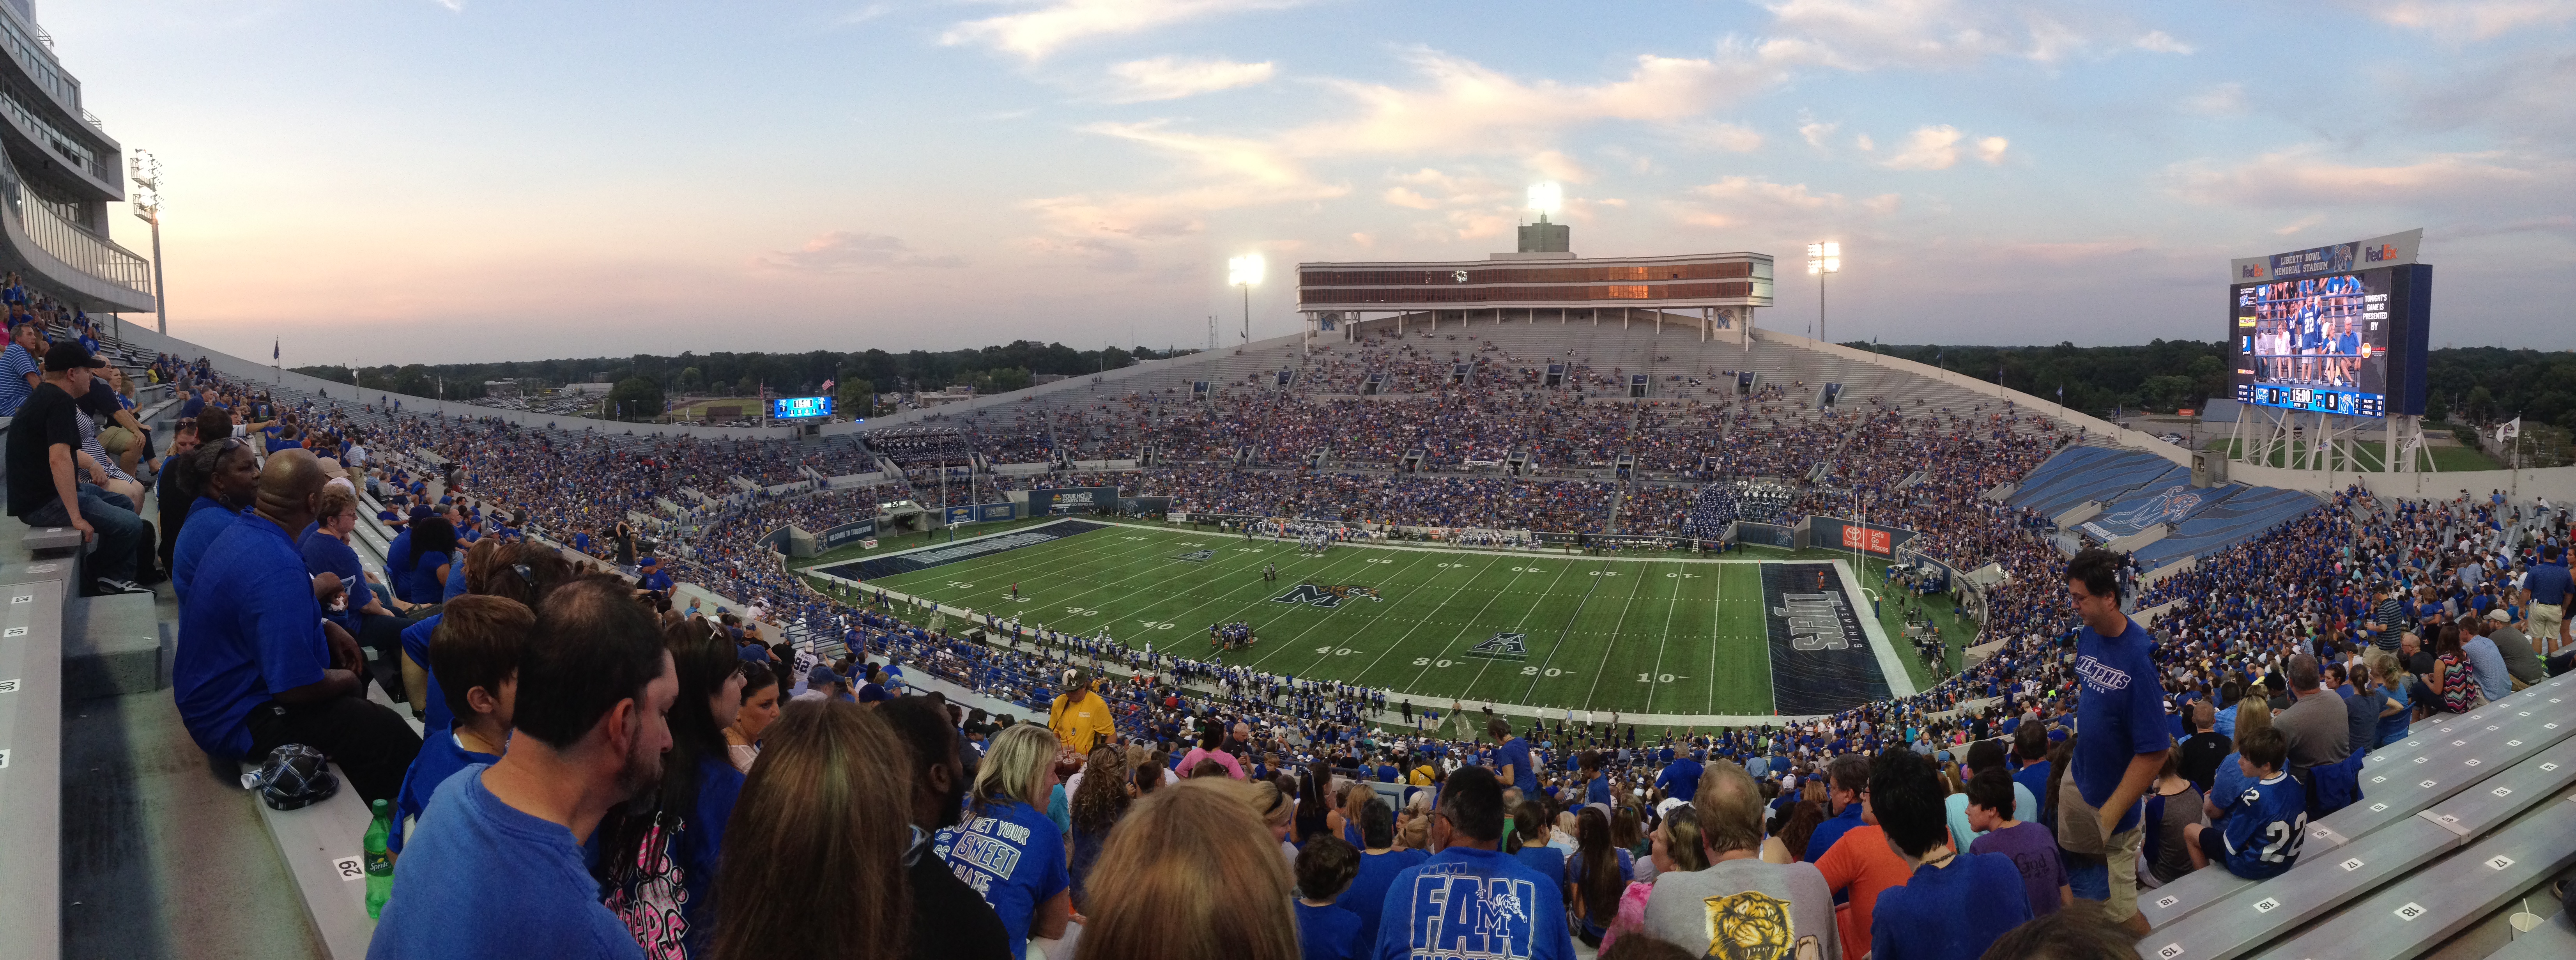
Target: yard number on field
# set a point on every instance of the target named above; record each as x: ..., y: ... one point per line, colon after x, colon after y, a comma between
x: 1334, y: 652
x: 1659, y: 678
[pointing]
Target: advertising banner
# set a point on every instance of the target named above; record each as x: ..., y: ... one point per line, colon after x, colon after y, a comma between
x: 842, y: 535
x: 1837, y: 534
x: 1765, y: 534
x: 958, y: 515
x: 1052, y: 500
x: 1144, y: 505
x: 992, y: 511
x: 2387, y: 251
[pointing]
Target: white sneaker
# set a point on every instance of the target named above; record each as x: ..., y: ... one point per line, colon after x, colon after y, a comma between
x: 108, y: 585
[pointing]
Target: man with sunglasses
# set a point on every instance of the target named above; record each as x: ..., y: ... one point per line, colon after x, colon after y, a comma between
x: 43, y: 443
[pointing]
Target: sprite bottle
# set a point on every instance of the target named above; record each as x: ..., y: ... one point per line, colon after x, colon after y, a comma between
x: 380, y: 862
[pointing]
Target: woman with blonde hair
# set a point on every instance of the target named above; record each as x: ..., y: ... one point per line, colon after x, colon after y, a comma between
x: 1008, y: 847
x: 1677, y: 850
x: 814, y: 850
x: 1191, y: 872
x: 2252, y: 713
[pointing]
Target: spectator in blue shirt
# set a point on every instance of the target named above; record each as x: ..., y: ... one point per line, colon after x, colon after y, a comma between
x: 1846, y: 775
x: 476, y: 654
x: 261, y: 667
x: 1680, y: 778
x: 1380, y: 862
x: 1010, y: 850
x: 433, y: 544
x: 1325, y: 929
x: 1512, y: 757
x: 2121, y: 712
x: 226, y: 475
x: 588, y: 734
x: 1468, y: 896
x: 649, y: 576
x: 2544, y: 598
x: 1954, y: 904
x: 660, y: 858
x: 2265, y: 822
x: 20, y: 367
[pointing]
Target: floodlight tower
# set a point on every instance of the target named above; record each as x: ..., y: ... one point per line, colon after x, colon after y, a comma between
x: 1244, y: 271
x: 146, y: 202
x: 1823, y: 259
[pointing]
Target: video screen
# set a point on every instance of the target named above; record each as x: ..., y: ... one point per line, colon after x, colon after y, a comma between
x: 797, y: 408
x: 2316, y: 343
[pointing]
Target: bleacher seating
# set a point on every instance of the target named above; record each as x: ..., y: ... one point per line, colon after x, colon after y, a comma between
x: 2477, y: 782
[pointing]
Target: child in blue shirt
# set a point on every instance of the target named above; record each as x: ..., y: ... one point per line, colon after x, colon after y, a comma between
x: 2265, y: 821
x: 475, y: 650
x: 1324, y: 869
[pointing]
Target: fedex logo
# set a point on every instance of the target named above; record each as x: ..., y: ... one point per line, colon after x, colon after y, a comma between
x: 2253, y: 271
x: 2385, y: 251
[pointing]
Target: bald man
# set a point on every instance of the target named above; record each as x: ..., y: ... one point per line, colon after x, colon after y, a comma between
x: 261, y: 667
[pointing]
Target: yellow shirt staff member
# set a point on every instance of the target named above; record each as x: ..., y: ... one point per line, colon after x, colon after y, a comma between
x: 1081, y: 718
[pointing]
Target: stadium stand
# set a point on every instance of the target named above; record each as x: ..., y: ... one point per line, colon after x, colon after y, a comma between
x: 1930, y: 447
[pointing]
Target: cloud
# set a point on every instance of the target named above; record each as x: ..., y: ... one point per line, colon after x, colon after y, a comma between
x: 1035, y: 34
x: 1737, y: 200
x: 1934, y: 34
x: 1928, y: 148
x: 2223, y: 100
x: 2299, y: 224
x: 1991, y: 149
x: 2306, y: 177
x: 1470, y: 108
x: 1170, y: 78
x: 1555, y: 165
x: 1863, y: 141
x: 1406, y: 197
x: 864, y: 14
x: 2158, y: 41
x: 2473, y: 19
x: 1816, y: 132
x: 1726, y: 137
x: 453, y: 6
x: 842, y: 251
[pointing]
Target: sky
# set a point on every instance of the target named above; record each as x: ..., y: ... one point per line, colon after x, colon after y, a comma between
x: 400, y: 181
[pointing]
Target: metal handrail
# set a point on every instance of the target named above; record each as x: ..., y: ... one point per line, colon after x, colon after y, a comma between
x: 68, y: 242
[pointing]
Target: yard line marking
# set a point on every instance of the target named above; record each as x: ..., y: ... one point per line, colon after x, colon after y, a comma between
x: 1560, y: 638
x: 1617, y: 626
x: 1670, y: 607
x: 1489, y: 601
x: 1524, y: 621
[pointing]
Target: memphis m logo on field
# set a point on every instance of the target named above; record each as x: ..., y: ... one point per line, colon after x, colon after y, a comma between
x: 1468, y: 917
x: 1325, y: 595
x: 1815, y: 621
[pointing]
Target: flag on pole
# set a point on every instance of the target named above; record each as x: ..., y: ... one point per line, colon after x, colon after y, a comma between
x: 2509, y: 431
x: 274, y: 348
x: 827, y: 386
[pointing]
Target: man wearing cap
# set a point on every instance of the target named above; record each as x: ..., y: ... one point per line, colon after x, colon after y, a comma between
x: 649, y: 576
x: 1080, y: 717
x: 41, y: 448
x: 2521, y: 663
x: 823, y: 684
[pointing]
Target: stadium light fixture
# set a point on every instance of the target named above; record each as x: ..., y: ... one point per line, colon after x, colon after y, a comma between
x: 1244, y: 271
x: 145, y: 169
x: 1823, y: 258
x: 1546, y: 198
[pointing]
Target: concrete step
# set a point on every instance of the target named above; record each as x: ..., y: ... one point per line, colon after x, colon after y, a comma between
x: 114, y: 645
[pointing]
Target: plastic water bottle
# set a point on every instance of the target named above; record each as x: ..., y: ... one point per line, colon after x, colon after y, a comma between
x: 380, y: 862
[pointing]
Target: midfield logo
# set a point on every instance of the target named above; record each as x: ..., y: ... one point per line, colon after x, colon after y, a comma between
x: 1502, y: 646
x: 1196, y: 556
x: 1327, y: 596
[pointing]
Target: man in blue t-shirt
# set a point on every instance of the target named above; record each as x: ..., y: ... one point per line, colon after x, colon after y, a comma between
x: 1846, y: 776
x: 1952, y: 904
x: 2121, y: 717
x: 1512, y: 757
x: 2544, y: 595
x: 1680, y: 779
x: 2263, y: 824
x: 588, y: 728
x: 19, y: 369
x: 1469, y: 899
x: 261, y: 667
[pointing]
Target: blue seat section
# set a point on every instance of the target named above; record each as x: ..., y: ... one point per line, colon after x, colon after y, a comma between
x: 2169, y: 498
x: 2077, y: 474
x: 2229, y: 522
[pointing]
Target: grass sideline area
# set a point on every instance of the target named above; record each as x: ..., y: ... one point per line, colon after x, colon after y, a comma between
x: 1640, y: 632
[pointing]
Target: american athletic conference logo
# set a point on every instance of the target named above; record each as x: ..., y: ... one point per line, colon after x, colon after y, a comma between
x: 2101, y: 675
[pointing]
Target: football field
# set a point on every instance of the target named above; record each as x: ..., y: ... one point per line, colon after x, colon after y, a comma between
x: 1667, y: 637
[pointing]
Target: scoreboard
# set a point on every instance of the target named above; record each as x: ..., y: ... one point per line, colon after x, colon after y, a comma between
x: 2334, y: 329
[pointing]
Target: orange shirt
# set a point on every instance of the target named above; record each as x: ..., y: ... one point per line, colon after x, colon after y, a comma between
x: 1861, y: 864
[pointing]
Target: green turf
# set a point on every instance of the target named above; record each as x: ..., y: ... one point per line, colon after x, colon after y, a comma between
x: 1637, y: 636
